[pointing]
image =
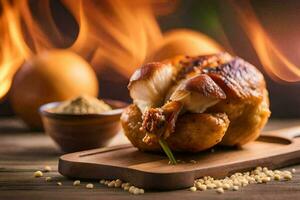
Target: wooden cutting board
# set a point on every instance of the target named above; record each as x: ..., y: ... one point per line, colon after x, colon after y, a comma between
x: 152, y: 171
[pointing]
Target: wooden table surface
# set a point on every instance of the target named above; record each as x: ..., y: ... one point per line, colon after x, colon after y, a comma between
x: 22, y: 152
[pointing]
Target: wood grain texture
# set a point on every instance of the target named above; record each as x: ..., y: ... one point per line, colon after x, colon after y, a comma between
x: 152, y: 171
x: 22, y: 152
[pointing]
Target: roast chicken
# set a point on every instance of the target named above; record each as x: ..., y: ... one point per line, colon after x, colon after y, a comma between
x: 194, y: 103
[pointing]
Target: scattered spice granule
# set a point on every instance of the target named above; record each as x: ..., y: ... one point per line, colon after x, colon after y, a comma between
x: 237, y: 180
x: 38, y: 174
x: 76, y: 182
x: 111, y: 184
x: 277, y: 177
x: 118, y: 183
x: 220, y: 190
x: 287, y: 176
x: 126, y: 186
x: 102, y: 181
x: 235, y: 188
x: 47, y: 168
x: 89, y: 186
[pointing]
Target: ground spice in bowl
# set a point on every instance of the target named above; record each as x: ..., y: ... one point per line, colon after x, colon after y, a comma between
x: 82, y: 123
x: 82, y: 105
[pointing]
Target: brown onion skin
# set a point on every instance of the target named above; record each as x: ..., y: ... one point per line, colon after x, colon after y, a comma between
x: 51, y: 76
x: 184, y: 42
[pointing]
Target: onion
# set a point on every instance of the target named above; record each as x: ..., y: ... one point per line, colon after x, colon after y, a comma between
x: 51, y: 76
x: 185, y: 42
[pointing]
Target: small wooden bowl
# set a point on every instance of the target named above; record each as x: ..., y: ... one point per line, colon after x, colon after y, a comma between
x: 76, y: 132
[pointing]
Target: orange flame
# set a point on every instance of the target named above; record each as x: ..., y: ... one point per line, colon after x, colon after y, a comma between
x: 123, y: 32
x: 278, y: 66
x: 12, y: 49
x: 120, y: 34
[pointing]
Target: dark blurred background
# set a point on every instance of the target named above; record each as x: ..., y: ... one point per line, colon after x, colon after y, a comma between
x: 221, y: 21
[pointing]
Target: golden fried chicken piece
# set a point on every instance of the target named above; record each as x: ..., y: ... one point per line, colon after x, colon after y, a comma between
x: 193, y: 94
x: 247, y: 103
x: 186, y: 99
x: 131, y: 120
x: 193, y: 132
x: 160, y: 122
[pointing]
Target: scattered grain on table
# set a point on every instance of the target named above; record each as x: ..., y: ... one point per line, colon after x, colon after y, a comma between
x: 47, y: 168
x: 237, y: 180
x: 48, y: 179
x: 38, y: 174
x: 76, y: 183
x: 89, y: 186
x: 118, y: 183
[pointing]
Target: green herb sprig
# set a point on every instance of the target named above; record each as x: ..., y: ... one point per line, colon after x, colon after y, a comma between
x: 167, y: 151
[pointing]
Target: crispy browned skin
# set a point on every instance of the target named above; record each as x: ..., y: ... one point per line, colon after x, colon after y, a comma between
x: 238, y: 78
x: 160, y: 122
x: 247, y: 102
x: 244, y: 104
x: 131, y: 120
x: 247, y: 118
x: 205, y: 86
x: 145, y: 72
x: 193, y: 132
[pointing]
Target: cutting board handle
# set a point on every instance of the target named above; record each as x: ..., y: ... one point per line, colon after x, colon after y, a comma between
x: 286, y: 133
